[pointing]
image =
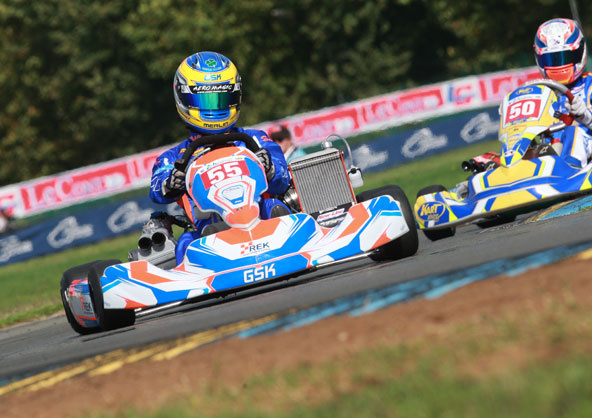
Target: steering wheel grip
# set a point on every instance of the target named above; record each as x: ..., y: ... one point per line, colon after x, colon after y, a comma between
x: 219, y: 140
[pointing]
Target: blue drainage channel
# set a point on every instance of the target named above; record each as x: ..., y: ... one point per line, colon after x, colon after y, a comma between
x: 576, y: 206
x: 429, y: 287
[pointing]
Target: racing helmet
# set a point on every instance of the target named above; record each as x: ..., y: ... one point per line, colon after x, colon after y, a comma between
x: 560, y: 50
x: 207, y: 89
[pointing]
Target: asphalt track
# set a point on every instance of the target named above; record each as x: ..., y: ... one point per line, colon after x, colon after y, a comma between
x: 40, y: 346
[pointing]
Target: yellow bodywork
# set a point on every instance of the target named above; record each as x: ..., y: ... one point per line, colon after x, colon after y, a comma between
x: 513, y: 199
x: 505, y: 175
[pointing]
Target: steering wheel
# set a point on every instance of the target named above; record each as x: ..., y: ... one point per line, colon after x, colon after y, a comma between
x: 566, y: 119
x: 217, y: 141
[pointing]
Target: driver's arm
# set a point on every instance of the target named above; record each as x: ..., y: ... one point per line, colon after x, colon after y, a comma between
x: 581, y: 109
x: 163, y: 166
x: 281, y: 179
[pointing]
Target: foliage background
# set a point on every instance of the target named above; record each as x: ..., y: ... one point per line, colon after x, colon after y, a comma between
x: 85, y: 81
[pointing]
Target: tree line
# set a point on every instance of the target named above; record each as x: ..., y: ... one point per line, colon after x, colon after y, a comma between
x: 85, y: 81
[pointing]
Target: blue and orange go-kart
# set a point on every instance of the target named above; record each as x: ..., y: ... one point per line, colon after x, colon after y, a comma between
x: 527, y: 174
x: 328, y: 224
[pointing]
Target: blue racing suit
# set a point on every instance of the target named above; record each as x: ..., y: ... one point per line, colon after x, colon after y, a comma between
x: 165, y: 163
x: 577, y: 138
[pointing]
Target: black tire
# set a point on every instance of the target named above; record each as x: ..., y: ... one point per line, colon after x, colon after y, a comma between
x: 436, y: 234
x: 109, y: 319
x: 75, y: 273
x: 407, y: 244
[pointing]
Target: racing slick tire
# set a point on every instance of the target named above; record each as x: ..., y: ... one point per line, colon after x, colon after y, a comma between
x: 407, y: 244
x: 69, y: 276
x: 437, y: 234
x: 109, y: 319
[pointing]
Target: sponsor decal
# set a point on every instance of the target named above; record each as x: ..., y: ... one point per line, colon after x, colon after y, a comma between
x: 432, y: 211
x: 525, y: 90
x: 478, y: 128
x: 423, y: 141
x: 216, y: 125
x: 259, y: 273
x: 212, y: 88
x: 12, y: 246
x: 251, y: 248
x: 67, y: 231
x: 127, y: 216
x: 330, y: 215
x: 87, y: 308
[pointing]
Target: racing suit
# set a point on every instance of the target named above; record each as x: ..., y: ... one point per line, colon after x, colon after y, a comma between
x: 165, y: 163
x: 577, y: 138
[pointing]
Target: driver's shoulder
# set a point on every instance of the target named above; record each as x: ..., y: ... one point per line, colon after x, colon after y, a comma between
x: 254, y: 133
x: 586, y: 81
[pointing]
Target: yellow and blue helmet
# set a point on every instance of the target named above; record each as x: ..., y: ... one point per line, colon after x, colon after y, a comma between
x: 207, y: 89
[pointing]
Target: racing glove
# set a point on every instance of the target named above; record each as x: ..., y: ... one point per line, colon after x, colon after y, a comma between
x: 174, y: 185
x: 578, y: 109
x: 265, y: 159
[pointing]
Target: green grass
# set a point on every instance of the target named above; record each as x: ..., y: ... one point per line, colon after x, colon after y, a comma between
x: 525, y: 361
x: 441, y: 169
x: 30, y: 289
x: 422, y: 380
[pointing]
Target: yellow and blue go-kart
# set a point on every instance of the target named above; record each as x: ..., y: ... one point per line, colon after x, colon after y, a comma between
x: 530, y: 174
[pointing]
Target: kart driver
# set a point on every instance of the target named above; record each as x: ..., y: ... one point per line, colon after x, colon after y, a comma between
x: 206, y: 112
x: 560, y: 52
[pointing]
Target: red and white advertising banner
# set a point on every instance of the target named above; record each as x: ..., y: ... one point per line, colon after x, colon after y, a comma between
x: 375, y: 113
x: 79, y: 185
x: 405, y: 106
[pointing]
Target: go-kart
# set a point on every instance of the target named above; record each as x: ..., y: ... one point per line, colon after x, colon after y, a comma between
x: 328, y: 224
x: 528, y: 174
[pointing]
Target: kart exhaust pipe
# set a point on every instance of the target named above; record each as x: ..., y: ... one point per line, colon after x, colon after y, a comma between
x: 467, y: 166
x: 157, y: 243
x: 145, y: 243
x: 158, y: 240
x: 154, y: 241
x: 473, y: 166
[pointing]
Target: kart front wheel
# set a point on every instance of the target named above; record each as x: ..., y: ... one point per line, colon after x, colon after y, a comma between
x: 69, y: 276
x: 407, y: 244
x: 109, y: 319
x: 436, y: 234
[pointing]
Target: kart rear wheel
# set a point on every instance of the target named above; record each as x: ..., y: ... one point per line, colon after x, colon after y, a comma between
x: 437, y: 234
x: 109, y: 319
x: 407, y: 244
x: 69, y: 276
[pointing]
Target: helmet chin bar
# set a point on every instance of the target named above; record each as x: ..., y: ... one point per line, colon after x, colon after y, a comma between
x: 564, y: 74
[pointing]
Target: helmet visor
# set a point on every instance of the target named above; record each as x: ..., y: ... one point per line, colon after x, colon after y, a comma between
x: 212, y: 96
x: 559, y: 58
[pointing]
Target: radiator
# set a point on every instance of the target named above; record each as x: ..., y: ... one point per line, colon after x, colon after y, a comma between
x: 322, y: 185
